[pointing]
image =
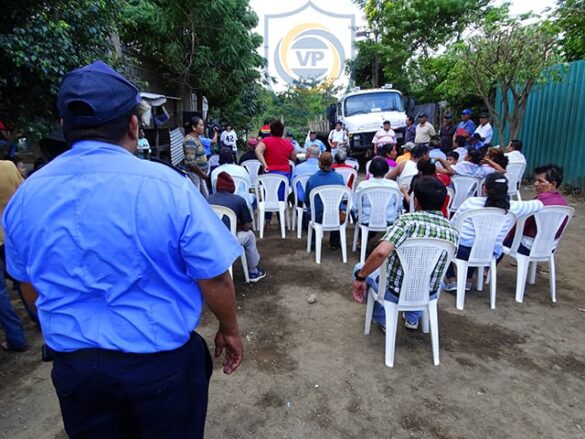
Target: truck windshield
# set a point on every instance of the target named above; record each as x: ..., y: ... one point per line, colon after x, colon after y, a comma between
x: 373, y: 103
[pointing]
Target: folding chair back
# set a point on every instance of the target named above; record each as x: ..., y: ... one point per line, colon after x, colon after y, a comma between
x: 267, y: 186
x: 464, y: 187
x: 331, y: 197
x: 253, y: 168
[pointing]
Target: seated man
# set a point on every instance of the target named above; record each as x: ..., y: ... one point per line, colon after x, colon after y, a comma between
x: 426, y: 222
x: 378, y: 169
x: 224, y: 196
x: 325, y: 176
x: 226, y: 161
x: 514, y: 153
x: 313, y: 141
x: 309, y: 167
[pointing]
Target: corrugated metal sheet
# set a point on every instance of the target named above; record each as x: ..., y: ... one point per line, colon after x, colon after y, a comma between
x: 553, y: 130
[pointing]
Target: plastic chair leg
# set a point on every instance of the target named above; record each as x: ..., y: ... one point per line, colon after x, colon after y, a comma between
x: 493, y: 283
x: 294, y: 218
x: 522, y: 273
x: 369, y: 312
x: 553, y: 279
x: 461, y: 279
x: 318, y: 244
x: 299, y: 223
x: 261, y: 220
x: 532, y: 273
x: 479, y: 273
x: 425, y: 321
x: 343, y: 244
x: 365, y: 233
x: 309, y: 236
x: 434, y: 323
x: 391, y: 311
x: 245, y: 267
x: 282, y: 214
x: 356, y: 231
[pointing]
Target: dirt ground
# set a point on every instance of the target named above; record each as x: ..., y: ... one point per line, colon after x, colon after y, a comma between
x: 310, y: 372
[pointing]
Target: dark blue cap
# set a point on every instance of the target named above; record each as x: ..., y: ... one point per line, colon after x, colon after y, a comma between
x: 467, y: 112
x: 94, y: 95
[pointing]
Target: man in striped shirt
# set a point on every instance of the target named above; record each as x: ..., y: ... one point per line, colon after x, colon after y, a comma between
x: 426, y: 222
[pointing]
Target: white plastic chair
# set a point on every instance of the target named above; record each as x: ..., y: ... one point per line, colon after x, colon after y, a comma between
x: 404, y: 181
x: 292, y: 166
x: 298, y: 211
x: 548, y: 223
x: 222, y: 211
x: 253, y: 167
x: 331, y: 197
x: 488, y: 223
x: 419, y: 258
x: 267, y: 186
x: 464, y: 187
x: 242, y: 187
x: 347, y: 173
x: 514, y: 174
x: 354, y: 163
x: 379, y: 198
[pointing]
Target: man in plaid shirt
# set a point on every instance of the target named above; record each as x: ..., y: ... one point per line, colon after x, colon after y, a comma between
x: 426, y: 222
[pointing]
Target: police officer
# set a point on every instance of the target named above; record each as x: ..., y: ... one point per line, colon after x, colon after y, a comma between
x: 122, y: 253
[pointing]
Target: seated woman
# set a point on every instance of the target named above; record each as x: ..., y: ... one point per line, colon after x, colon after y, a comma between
x: 495, y: 195
x: 494, y: 161
x: 425, y: 168
x: 547, y: 180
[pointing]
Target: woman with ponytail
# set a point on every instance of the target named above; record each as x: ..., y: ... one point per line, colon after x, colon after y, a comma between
x: 495, y: 195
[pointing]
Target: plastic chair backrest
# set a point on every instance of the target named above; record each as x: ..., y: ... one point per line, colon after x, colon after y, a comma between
x: 302, y: 181
x: 451, y: 196
x: 514, y: 174
x: 347, y: 173
x: 368, y: 163
x: 267, y: 186
x: 487, y: 223
x: 379, y: 199
x: 331, y: 197
x: 292, y: 166
x: 222, y: 211
x: 354, y: 163
x: 548, y: 223
x: 242, y: 185
x: 253, y: 168
x: 464, y: 187
x: 419, y: 258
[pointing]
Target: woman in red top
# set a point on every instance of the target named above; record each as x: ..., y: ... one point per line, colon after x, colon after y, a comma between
x: 274, y: 152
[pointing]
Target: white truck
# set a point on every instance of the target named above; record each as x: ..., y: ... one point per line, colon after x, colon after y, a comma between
x: 362, y: 113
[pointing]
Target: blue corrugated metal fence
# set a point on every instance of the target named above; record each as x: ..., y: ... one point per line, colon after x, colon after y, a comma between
x: 553, y: 130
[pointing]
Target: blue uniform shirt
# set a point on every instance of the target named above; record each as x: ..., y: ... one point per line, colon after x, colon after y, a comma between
x: 113, y: 245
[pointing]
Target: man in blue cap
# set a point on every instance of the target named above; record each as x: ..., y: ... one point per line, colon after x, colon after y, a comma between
x: 119, y: 251
x: 466, y: 126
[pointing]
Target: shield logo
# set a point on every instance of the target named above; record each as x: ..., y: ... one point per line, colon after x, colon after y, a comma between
x: 308, y: 44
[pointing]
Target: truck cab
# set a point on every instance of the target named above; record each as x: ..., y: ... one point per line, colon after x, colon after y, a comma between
x: 363, y: 111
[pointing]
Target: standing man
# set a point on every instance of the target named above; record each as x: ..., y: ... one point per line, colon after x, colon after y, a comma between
x: 447, y: 132
x: 410, y: 133
x: 466, y: 127
x: 384, y: 136
x: 337, y: 137
x: 485, y: 129
x: 229, y: 138
x: 119, y: 252
x: 10, y: 179
x: 313, y: 141
x: 424, y: 130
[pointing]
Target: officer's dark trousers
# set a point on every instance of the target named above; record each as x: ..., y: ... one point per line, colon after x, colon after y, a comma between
x: 105, y: 394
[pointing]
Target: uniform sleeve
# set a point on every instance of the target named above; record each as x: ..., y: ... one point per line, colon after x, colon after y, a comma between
x: 14, y: 241
x: 207, y: 246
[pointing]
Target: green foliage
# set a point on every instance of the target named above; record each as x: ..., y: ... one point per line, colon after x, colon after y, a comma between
x: 571, y: 22
x: 208, y: 47
x: 512, y: 57
x: 39, y: 42
x: 298, y: 105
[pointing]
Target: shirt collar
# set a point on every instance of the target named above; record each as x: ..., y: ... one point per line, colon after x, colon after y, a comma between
x: 87, y: 145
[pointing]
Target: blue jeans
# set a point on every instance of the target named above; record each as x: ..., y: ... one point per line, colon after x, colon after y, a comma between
x: 379, y: 315
x: 9, y: 321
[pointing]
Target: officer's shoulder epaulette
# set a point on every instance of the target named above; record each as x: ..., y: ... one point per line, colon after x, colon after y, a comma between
x: 168, y: 165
